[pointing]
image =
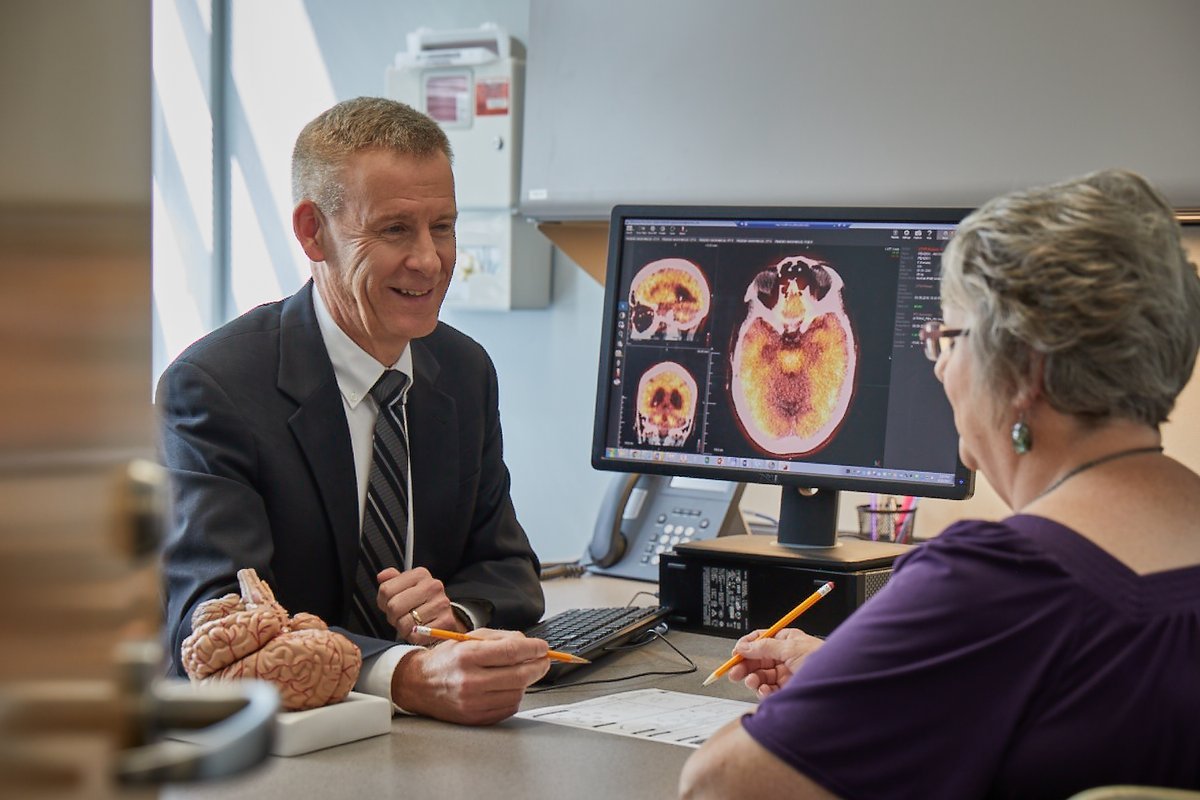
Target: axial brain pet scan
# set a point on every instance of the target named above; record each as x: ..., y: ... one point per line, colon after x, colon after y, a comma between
x: 669, y: 299
x: 793, y: 361
x: 666, y: 405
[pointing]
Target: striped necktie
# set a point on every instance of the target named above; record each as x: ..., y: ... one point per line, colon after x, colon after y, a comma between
x: 385, y: 518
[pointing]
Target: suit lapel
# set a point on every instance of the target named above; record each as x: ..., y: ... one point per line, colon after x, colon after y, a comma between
x: 319, y: 422
x: 433, y: 434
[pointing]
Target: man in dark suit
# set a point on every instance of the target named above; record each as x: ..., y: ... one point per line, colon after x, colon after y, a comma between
x: 268, y: 422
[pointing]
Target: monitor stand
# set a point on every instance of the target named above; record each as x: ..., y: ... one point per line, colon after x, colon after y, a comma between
x: 807, y: 536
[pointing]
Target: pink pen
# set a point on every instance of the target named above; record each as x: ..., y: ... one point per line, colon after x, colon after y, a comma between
x: 874, y: 517
x: 903, y: 527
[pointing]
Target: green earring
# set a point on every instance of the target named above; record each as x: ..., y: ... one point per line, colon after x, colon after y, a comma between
x: 1022, y: 437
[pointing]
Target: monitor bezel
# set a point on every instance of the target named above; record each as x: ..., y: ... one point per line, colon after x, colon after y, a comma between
x: 964, y: 479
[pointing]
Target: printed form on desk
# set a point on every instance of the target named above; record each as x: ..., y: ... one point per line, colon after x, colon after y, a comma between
x: 654, y: 714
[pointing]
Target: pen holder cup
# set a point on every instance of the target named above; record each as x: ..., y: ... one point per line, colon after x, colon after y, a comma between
x: 882, y: 525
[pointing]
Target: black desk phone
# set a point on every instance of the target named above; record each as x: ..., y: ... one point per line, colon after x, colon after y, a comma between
x: 643, y: 516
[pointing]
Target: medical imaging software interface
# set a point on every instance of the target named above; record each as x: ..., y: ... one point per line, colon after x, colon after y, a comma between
x: 785, y: 346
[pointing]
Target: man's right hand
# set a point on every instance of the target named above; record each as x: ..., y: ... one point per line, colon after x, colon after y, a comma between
x: 770, y: 663
x: 472, y: 683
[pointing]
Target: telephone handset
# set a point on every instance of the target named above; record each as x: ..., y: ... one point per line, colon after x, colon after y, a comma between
x: 643, y: 516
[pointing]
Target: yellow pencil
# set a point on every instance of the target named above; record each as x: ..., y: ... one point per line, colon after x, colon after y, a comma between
x: 787, y: 619
x: 438, y: 633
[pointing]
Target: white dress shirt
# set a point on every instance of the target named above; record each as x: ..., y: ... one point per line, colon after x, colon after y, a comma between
x: 356, y: 373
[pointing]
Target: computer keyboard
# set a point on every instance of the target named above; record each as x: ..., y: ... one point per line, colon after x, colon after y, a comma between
x: 593, y: 632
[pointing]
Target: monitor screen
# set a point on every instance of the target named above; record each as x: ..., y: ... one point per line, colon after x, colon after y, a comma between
x: 777, y: 345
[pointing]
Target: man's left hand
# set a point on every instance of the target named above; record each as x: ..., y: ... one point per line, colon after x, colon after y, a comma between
x: 415, y: 598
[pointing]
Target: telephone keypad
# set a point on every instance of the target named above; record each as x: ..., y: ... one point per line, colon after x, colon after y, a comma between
x: 668, y: 534
x: 670, y: 515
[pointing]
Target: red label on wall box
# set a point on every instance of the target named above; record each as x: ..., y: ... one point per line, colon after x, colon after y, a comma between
x: 491, y: 96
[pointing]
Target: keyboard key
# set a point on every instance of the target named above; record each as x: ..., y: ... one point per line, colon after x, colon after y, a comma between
x: 593, y: 632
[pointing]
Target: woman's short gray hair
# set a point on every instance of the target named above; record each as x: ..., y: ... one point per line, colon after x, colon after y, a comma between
x: 365, y: 123
x: 1090, y: 273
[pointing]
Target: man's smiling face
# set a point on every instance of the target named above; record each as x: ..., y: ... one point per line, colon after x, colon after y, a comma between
x: 389, y: 250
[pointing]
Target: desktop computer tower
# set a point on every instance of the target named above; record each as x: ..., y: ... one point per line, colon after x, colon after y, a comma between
x: 732, y: 585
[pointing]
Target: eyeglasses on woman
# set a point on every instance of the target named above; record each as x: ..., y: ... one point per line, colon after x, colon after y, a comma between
x: 937, y: 339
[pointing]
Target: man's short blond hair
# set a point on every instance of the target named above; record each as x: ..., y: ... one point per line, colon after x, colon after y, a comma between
x: 354, y: 126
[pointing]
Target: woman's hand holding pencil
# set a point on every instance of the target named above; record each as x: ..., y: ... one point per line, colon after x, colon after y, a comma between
x: 774, y: 663
x: 769, y: 663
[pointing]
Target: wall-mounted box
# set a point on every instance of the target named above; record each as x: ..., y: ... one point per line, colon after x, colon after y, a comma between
x: 503, y: 262
x: 471, y: 82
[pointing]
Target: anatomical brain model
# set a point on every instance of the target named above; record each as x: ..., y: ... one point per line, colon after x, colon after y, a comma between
x: 669, y: 299
x: 794, y: 358
x: 252, y: 637
x: 666, y: 405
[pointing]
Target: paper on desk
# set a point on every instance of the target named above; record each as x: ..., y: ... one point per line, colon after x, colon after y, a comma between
x: 654, y: 714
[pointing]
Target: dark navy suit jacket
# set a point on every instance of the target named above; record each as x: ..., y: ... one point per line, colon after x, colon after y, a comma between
x: 255, y: 440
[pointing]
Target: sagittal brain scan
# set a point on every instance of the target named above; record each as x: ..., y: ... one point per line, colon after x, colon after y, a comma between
x: 666, y: 405
x: 669, y: 299
x: 794, y: 357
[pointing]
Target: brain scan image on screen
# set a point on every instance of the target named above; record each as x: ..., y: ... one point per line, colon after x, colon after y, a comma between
x: 794, y: 358
x: 666, y: 405
x: 669, y: 299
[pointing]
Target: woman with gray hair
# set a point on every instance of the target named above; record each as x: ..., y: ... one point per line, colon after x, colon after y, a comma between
x: 1057, y: 649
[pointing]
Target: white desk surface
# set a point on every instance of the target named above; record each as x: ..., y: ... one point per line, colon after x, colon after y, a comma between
x: 424, y: 758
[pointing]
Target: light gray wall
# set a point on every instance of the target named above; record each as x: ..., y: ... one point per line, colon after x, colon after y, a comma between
x: 809, y: 102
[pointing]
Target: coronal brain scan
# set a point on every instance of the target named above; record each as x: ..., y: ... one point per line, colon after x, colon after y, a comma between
x: 794, y: 357
x: 669, y: 299
x: 666, y: 405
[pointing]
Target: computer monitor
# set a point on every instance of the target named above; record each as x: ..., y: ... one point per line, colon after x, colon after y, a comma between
x: 778, y: 346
